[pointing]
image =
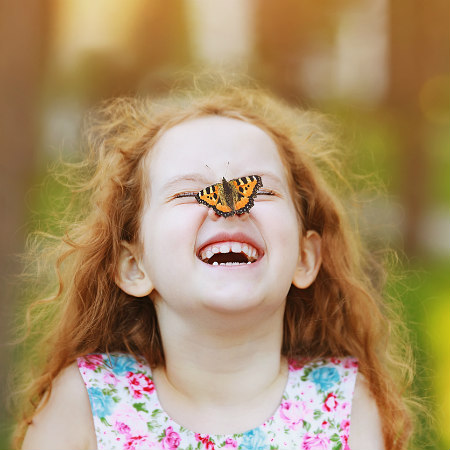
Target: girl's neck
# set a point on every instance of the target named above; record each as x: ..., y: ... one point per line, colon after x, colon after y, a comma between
x: 221, y: 369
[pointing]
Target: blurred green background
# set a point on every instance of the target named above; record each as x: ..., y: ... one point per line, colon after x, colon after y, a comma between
x: 380, y: 67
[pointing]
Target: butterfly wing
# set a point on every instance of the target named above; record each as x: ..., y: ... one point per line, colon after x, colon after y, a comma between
x: 245, y: 189
x: 213, y: 197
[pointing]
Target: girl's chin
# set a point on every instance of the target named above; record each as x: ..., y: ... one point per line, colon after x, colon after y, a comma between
x: 233, y: 302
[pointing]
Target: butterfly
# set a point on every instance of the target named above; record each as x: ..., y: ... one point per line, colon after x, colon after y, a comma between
x: 231, y: 197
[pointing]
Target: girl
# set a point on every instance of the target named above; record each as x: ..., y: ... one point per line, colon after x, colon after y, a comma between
x: 189, y: 318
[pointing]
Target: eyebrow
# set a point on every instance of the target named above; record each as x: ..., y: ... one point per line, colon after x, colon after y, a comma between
x: 191, y: 177
x: 271, y: 177
x: 203, y: 181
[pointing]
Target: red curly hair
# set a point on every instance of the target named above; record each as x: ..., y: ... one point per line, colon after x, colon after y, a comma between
x: 341, y: 313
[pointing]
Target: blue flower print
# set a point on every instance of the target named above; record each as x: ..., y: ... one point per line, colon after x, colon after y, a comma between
x: 325, y: 377
x: 121, y: 364
x: 101, y: 404
x: 254, y: 439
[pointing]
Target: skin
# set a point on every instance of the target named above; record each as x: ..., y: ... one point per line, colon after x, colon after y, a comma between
x: 222, y: 330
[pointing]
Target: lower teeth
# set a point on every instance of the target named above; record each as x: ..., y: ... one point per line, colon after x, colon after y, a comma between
x: 215, y: 263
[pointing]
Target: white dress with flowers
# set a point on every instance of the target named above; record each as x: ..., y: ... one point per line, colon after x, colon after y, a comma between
x: 314, y: 413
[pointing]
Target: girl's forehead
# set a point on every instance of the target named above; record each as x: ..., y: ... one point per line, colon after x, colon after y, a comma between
x: 215, y: 146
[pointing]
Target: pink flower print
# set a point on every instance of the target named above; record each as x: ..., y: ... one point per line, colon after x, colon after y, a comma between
x: 136, y: 442
x: 294, y: 413
x: 129, y: 422
x: 230, y: 443
x: 294, y: 365
x: 350, y: 363
x: 345, y: 406
x: 122, y: 428
x: 90, y: 361
x: 171, y: 440
x: 344, y: 440
x: 315, y: 442
x: 345, y: 425
x: 139, y: 384
x: 110, y: 378
x: 335, y: 361
x: 204, y: 439
x: 325, y: 424
x: 330, y: 403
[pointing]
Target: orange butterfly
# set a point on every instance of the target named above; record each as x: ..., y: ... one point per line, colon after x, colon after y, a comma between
x: 231, y: 197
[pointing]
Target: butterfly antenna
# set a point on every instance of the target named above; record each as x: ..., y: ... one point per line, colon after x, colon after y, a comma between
x: 226, y: 170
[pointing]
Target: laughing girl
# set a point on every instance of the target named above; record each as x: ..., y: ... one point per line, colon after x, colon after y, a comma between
x: 212, y: 293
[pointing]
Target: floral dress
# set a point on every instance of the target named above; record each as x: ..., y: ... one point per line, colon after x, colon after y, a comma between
x: 314, y: 413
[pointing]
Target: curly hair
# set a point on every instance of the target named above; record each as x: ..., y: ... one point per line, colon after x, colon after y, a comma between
x: 342, y: 313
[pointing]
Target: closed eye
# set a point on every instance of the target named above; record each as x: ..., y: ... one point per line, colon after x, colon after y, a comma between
x: 266, y: 192
x: 182, y: 194
x: 185, y: 194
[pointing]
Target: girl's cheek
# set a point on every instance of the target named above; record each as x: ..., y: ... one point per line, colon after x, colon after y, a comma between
x: 191, y: 212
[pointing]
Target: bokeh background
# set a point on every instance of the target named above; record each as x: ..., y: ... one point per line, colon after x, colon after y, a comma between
x: 379, y: 67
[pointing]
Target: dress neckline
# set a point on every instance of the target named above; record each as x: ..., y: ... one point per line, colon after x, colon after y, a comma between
x: 174, y: 423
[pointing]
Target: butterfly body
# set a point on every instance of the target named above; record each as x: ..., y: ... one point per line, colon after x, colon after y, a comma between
x: 231, y: 197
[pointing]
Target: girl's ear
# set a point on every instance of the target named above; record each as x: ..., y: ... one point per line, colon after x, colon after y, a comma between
x: 309, y: 260
x: 131, y: 277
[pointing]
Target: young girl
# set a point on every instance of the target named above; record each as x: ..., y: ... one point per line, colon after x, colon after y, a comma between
x: 212, y: 294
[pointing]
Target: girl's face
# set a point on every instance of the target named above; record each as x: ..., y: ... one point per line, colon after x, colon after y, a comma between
x: 178, y: 232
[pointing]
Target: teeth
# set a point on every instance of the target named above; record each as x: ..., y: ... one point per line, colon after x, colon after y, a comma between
x: 226, y: 247
x: 236, y: 247
x: 215, y: 263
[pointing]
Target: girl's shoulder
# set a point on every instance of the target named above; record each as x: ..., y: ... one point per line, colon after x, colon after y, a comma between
x: 65, y: 420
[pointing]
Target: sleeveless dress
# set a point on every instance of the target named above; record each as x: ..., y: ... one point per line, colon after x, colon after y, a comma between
x: 314, y: 413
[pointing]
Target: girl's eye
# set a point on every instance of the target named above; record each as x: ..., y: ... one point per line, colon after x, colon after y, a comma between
x: 184, y: 194
x: 265, y: 192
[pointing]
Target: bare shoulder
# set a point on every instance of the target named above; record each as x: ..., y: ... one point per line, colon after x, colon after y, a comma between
x: 365, y: 426
x: 66, y: 421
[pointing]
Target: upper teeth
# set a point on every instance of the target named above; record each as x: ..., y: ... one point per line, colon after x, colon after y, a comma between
x: 226, y: 247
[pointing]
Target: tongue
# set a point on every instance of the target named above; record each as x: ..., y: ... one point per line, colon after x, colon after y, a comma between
x: 228, y: 257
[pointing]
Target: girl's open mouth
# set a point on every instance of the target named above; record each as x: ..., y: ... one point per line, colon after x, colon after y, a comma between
x: 229, y: 253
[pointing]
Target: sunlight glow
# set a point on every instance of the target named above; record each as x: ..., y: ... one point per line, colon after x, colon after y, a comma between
x: 85, y: 25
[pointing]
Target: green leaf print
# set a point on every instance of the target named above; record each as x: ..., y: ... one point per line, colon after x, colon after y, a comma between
x: 317, y: 414
x: 162, y: 436
x: 306, y: 373
x: 105, y: 422
x: 153, y: 425
x: 106, y: 392
x: 337, y: 446
x: 156, y: 412
x: 140, y: 407
x: 335, y: 438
